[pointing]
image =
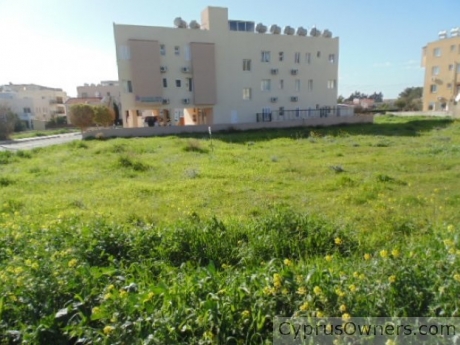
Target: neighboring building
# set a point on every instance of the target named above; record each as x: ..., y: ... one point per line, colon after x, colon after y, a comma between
x: 441, y: 59
x: 34, y: 102
x: 224, y: 71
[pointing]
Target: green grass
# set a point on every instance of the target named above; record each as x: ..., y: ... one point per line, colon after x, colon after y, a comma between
x: 165, y: 239
x: 42, y: 133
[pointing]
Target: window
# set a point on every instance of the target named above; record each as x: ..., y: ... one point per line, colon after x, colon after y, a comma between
x: 236, y: 25
x: 165, y: 82
x: 178, y: 83
x: 308, y: 57
x: 297, y: 84
x: 281, y: 56
x: 331, y: 84
x: 281, y: 111
x: 433, y: 88
x: 265, y: 85
x: 265, y: 56
x: 162, y: 49
x: 297, y: 58
x: 247, y: 93
x: 27, y: 110
x: 246, y: 65
x: 318, y: 54
x: 310, y: 85
x: 190, y: 84
x: 437, y: 52
x: 332, y: 58
x: 451, y: 67
x: 176, y: 50
x: 124, y: 53
x: 128, y: 86
x: 187, y: 53
x: 281, y: 84
x: 435, y: 70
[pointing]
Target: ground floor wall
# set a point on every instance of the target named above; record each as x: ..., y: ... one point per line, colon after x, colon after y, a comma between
x: 172, y: 130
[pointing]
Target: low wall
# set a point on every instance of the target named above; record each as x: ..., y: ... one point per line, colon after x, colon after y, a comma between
x: 422, y: 113
x: 171, y: 130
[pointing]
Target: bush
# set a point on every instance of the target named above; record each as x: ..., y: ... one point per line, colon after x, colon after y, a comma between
x: 82, y: 116
x: 103, y: 115
x: 8, y: 122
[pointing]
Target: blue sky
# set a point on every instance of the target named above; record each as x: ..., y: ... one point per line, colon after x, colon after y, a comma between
x: 67, y: 43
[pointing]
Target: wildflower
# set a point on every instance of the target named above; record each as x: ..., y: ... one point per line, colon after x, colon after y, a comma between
x: 457, y: 277
x: 346, y: 317
x: 328, y: 258
x: 285, y: 291
x: 304, y: 306
x: 317, y: 290
x: 107, y: 296
x: 149, y: 297
x: 392, y: 278
x: 123, y: 293
x: 277, y: 280
x: 269, y: 290
x: 339, y: 293
x: 319, y: 313
x: 343, y: 308
x: 96, y: 310
x: 384, y: 253
x: 301, y: 290
x: 108, y: 330
x: 367, y: 256
x: 361, y: 276
x: 449, y: 243
x: 452, y: 251
x: 450, y: 228
x: 287, y: 262
x: 72, y: 263
x: 245, y: 314
x: 352, y: 288
x: 338, y: 241
x: 221, y: 292
x: 390, y: 342
x: 355, y: 274
x: 395, y: 253
x: 299, y: 279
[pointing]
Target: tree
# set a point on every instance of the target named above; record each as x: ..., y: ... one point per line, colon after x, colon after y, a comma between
x: 82, y: 116
x: 340, y: 100
x: 410, y: 99
x: 8, y: 121
x: 103, y: 115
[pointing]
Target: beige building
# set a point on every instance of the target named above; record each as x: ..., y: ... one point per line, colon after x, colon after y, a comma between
x: 34, y: 102
x: 224, y: 71
x: 441, y: 59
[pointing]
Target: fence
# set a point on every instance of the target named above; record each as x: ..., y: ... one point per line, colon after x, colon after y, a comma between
x: 303, y: 114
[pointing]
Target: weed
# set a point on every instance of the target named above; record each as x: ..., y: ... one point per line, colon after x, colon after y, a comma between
x: 6, y: 181
x: 193, y: 145
x: 127, y: 161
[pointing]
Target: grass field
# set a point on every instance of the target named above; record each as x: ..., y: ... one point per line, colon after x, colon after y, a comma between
x: 38, y: 133
x: 172, y: 240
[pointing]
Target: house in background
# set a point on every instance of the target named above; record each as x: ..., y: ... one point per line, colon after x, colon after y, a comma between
x: 224, y: 71
x: 34, y: 102
x: 441, y: 59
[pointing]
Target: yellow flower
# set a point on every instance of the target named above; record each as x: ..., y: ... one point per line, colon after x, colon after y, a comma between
x: 361, y: 276
x: 355, y: 274
x: 287, y: 262
x: 328, y: 258
x: 277, y: 280
x: 339, y: 293
x: 299, y: 279
x: 384, y: 253
x: 450, y: 228
x: 107, y: 296
x: 352, y: 288
x: 317, y: 290
x: 343, y: 308
x: 149, y: 297
x: 108, y: 330
x: 96, y: 310
x: 452, y: 251
x: 338, y: 241
x: 319, y: 314
x: 110, y: 287
x: 449, y: 243
x: 392, y: 279
x: 457, y: 277
x: 269, y: 290
x: 123, y: 293
x: 390, y: 342
x: 395, y: 253
x: 304, y: 306
x: 367, y: 256
x: 285, y: 291
x: 346, y: 317
x: 301, y: 290
x: 72, y: 263
x: 245, y: 314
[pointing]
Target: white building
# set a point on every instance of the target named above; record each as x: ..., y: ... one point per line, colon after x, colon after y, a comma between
x: 225, y: 71
x: 33, y: 102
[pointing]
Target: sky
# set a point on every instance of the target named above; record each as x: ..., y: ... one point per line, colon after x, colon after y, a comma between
x: 66, y: 43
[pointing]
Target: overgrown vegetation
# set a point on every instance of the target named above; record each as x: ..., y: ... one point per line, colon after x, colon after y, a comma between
x: 144, y: 241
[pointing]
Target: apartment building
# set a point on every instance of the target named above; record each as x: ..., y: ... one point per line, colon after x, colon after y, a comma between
x: 441, y: 59
x: 224, y: 71
x: 33, y: 102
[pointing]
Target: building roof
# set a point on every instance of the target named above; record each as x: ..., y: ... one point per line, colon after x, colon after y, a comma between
x: 17, y: 87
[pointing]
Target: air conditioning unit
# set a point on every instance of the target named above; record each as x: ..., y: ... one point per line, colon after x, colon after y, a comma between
x: 185, y: 70
x: 294, y: 99
x: 163, y: 69
x: 274, y: 99
x: 165, y: 101
x: 185, y: 100
x: 294, y: 71
x: 274, y: 71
